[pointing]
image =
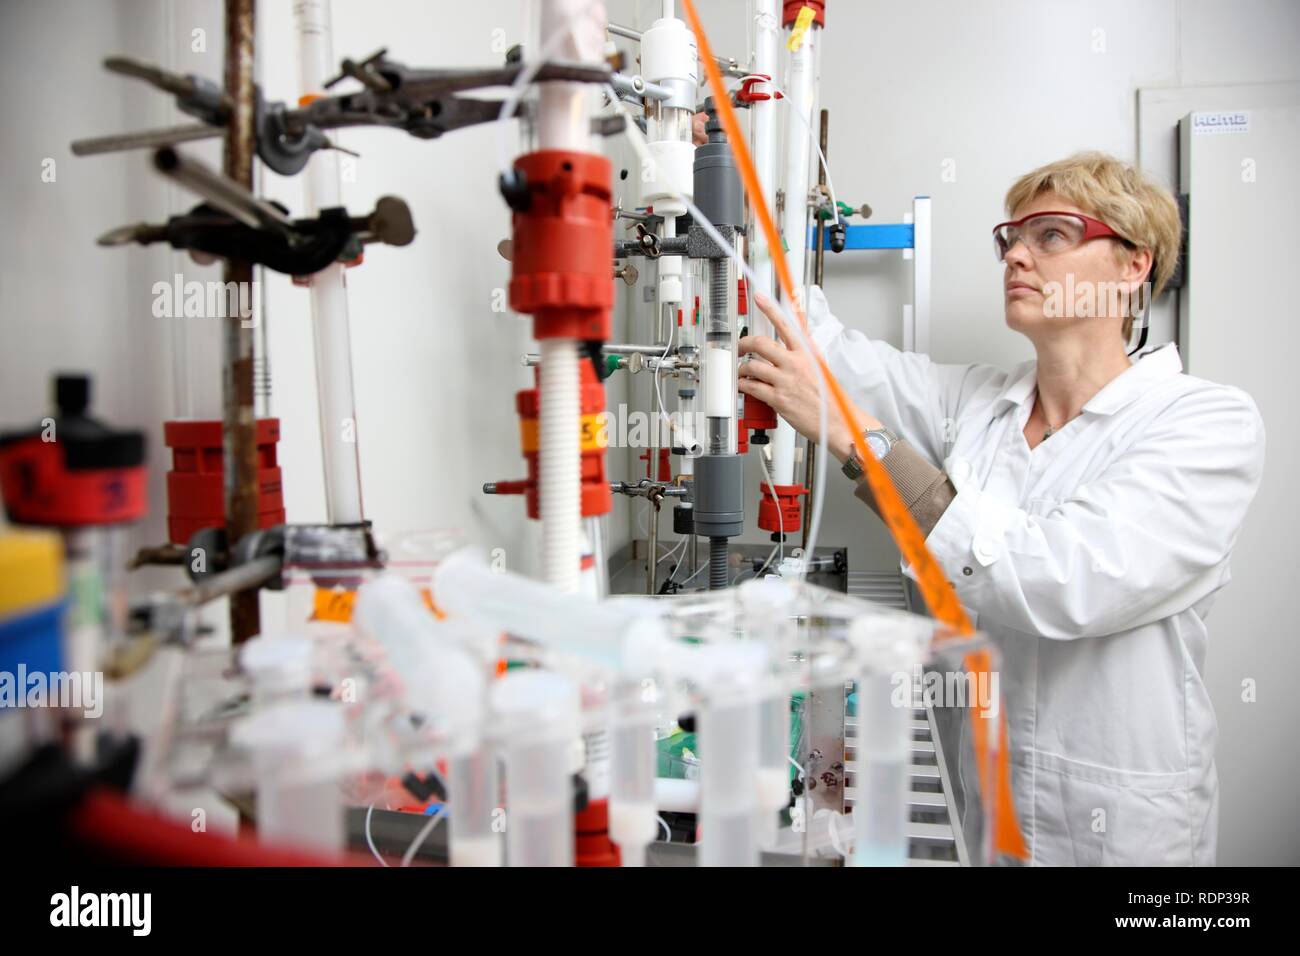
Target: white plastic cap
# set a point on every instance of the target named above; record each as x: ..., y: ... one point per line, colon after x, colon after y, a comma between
x: 278, y: 666
x: 534, y: 706
x: 302, y: 729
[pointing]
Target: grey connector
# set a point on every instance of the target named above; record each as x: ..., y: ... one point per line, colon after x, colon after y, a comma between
x: 717, y: 181
x: 719, y: 495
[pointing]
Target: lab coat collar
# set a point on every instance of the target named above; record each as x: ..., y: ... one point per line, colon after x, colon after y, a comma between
x: 1154, y: 366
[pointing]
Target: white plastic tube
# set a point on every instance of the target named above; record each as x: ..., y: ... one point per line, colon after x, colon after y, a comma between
x: 888, y: 648
x: 448, y: 687
x: 732, y: 678
x: 564, y: 123
x: 880, y: 813
x: 560, y: 484
x: 763, y: 117
x: 768, y: 605
x: 633, y: 816
x: 801, y: 89
x: 614, y: 634
x: 537, y: 718
x: 335, y: 398
x: 564, y: 109
x: 294, y: 749
x: 718, y: 399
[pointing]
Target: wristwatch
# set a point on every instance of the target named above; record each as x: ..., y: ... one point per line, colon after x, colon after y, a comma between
x: 880, y: 441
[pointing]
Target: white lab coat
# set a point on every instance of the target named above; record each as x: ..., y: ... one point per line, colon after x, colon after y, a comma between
x: 1092, y: 561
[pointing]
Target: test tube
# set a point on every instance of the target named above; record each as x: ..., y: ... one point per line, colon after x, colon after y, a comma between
x: 888, y: 648
x: 472, y: 791
x: 537, y: 714
x: 880, y: 812
x: 733, y: 677
x: 294, y: 748
x: 633, y: 819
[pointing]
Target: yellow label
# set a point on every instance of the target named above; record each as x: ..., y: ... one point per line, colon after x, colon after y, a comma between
x: 801, y: 24
x: 593, y: 434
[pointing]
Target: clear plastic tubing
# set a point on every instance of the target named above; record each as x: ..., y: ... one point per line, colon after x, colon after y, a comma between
x: 294, y: 748
x: 801, y: 86
x: 880, y: 813
x: 763, y: 119
x: 604, y: 633
x: 445, y: 684
x: 329, y: 301
x: 768, y: 605
x: 633, y: 821
x: 728, y: 719
x: 537, y: 716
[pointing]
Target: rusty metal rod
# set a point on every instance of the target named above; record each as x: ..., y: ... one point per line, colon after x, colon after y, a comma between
x: 239, y: 421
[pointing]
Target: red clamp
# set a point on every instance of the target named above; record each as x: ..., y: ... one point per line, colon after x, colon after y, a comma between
x: 791, y: 8
x: 196, y: 496
x: 596, y: 496
x: 782, y: 515
x: 665, y: 469
x: 560, y: 247
x: 756, y: 416
x: 747, y: 94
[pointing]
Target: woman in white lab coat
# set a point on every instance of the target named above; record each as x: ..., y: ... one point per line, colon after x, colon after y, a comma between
x: 1084, y: 507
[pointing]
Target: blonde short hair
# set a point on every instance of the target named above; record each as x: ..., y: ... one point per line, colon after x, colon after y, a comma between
x: 1143, y: 212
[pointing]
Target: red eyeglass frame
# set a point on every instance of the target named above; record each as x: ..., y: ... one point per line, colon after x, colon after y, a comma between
x: 1092, y: 228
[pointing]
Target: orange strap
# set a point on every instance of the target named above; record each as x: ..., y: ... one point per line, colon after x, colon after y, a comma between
x: 933, y: 582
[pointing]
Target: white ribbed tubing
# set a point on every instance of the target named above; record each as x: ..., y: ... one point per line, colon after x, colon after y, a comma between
x: 560, y: 486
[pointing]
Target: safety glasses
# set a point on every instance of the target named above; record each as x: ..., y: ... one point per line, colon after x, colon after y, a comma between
x: 1048, y: 233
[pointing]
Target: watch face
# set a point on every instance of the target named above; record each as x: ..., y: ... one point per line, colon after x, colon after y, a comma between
x: 879, y: 444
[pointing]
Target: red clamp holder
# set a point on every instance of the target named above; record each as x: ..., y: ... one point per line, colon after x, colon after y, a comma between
x: 195, y: 486
x: 782, y: 515
x: 790, y: 11
x: 562, y: 232
x: 561, y: 236
x: 747, y: 94
x: 592, y: 845
x: 665, y: 466
x: 73, y: 470
x: 597, y: 499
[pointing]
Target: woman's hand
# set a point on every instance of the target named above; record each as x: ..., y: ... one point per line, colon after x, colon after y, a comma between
x: 785, y: 377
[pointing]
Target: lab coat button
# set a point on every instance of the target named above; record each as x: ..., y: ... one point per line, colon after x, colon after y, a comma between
x: 966, y: 571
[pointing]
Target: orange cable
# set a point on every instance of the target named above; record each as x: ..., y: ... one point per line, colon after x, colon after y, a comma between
x: 939, y: 595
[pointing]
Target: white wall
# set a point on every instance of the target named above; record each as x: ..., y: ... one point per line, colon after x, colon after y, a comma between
x: 995, y: 88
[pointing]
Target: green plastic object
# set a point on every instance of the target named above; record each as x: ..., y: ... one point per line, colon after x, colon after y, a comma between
x: 845, y: 210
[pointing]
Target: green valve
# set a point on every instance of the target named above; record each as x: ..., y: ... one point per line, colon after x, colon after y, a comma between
x: 845, y: 210
x: 611, y: 366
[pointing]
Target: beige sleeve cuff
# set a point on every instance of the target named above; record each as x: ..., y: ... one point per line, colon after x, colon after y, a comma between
x: 926, y: 490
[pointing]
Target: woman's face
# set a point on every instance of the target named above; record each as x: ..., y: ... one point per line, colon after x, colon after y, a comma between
x: 1045, y: 291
